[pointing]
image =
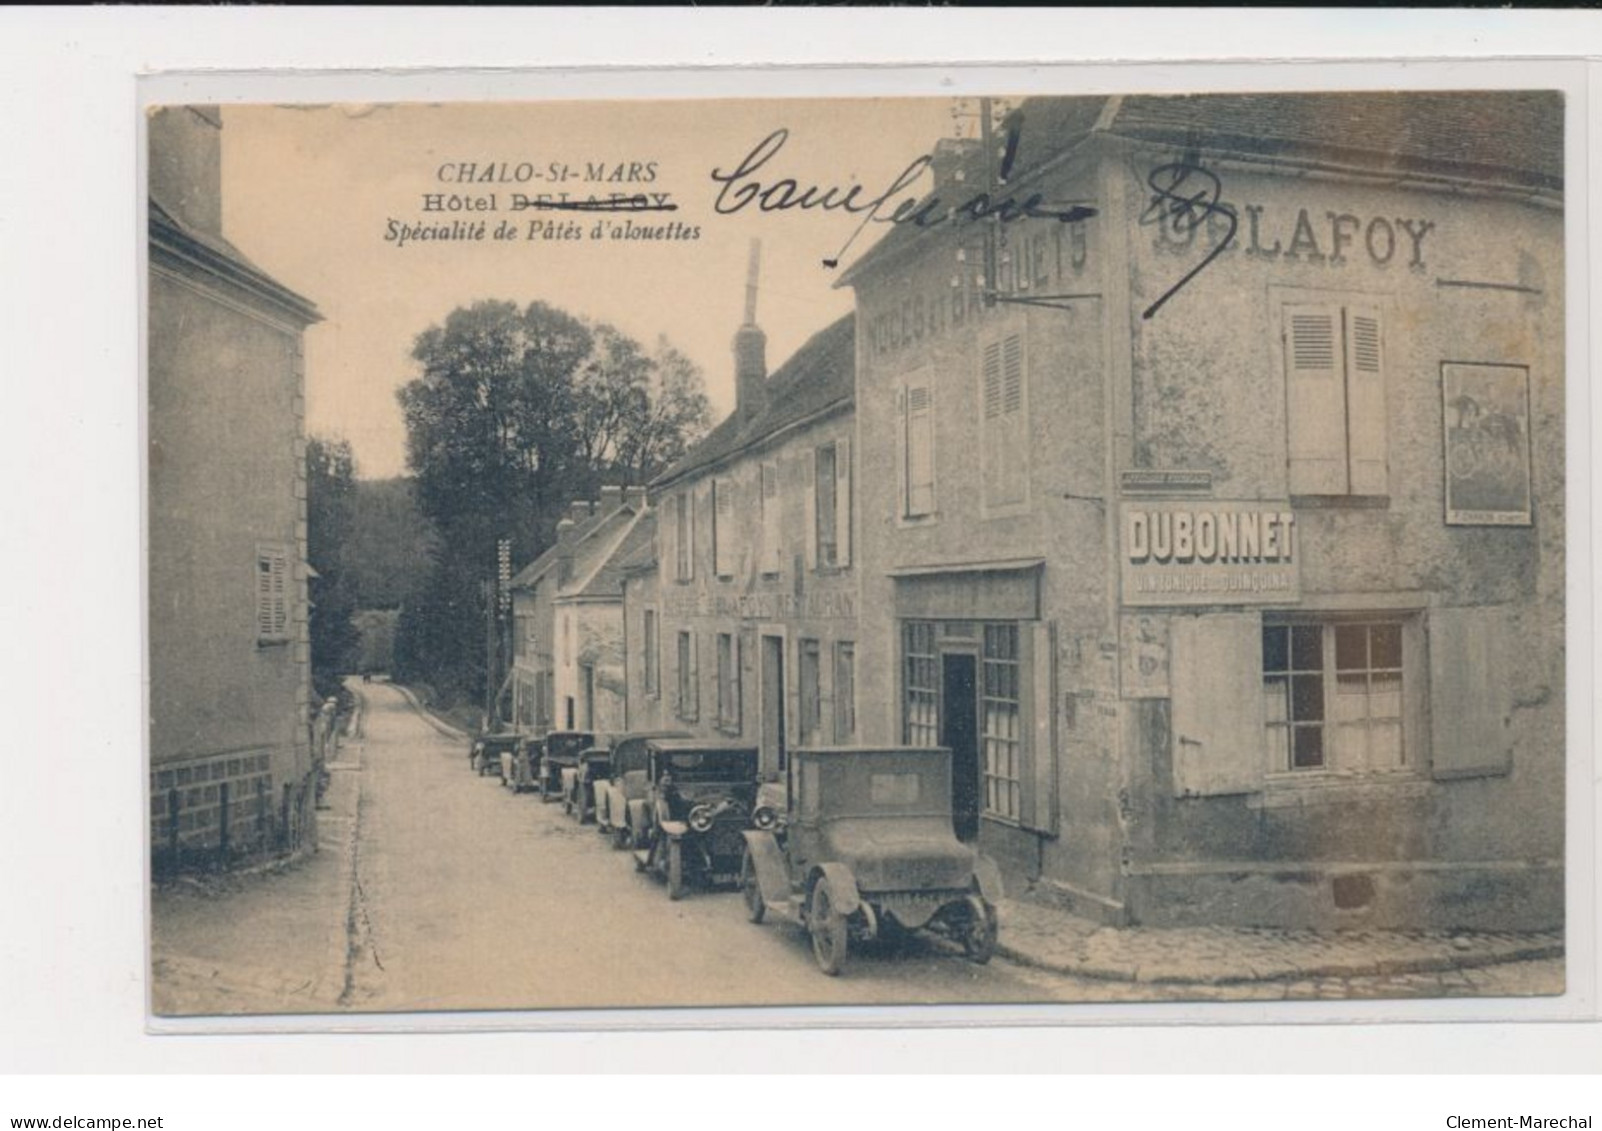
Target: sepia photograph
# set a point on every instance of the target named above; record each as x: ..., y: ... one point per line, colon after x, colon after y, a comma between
x: 858, y: 551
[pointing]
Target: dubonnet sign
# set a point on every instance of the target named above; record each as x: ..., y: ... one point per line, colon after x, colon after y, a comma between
x: 1208, y: 552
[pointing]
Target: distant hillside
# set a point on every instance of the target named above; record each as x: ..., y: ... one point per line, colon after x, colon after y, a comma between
x: 390, y: 542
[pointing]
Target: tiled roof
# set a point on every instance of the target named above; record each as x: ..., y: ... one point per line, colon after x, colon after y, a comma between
x: 540, y: 566
x: 1512, y: 139
x: 607, y: 578
x: 819, y: 375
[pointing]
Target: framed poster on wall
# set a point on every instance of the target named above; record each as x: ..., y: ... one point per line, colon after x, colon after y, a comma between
x: 1487, y: 437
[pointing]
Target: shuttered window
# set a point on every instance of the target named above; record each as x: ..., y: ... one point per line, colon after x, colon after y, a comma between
x: 1004, y: 437
x: 845, y: 692
x: 1335, y: 399
x: 651, y: 658
x: 772, y: 550
x: 1471, y: 691
x: 830, y: 487
x: 729, y: 682
x: 688, y: 706
x: 1333, y: 696
x: 684, y: 536
x: 272, y: 594
x: 917, y: 462
x: 811, y: 693
x: 723, y: 551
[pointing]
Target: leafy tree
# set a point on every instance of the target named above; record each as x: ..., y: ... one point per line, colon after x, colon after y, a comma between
x: 515, y: 413
x: 330, y: 494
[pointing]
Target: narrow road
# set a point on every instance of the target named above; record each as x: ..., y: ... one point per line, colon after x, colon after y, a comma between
x: 472, y: 897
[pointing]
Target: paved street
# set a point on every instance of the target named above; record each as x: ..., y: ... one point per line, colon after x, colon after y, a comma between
x: 444, y: 891
x: 474, y: 898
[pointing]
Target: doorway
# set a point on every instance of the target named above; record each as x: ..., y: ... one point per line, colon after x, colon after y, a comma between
x: 959, y: 731
x: 772, y: 680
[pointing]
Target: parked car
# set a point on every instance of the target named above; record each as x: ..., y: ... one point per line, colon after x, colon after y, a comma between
x: 623, y: 780
x: 865, y: 845
x: 562, y: 751
x: 485, y: 755
x: 699, y: 799
x: 520, y: 766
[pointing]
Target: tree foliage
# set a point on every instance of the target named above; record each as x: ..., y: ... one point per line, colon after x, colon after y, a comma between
x: 514, y: 414
x: 330, y: 499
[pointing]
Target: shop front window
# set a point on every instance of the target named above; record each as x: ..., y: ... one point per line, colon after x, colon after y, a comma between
x: 922, y: 680
x: 1000, y: 722
x: 1332, y: 696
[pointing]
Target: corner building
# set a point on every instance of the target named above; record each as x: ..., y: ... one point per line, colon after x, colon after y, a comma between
x: 754, y: 632
x: 1238, y: 599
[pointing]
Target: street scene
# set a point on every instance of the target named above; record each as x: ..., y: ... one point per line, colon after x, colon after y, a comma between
x: 939, y: 551
x: 437, y: 889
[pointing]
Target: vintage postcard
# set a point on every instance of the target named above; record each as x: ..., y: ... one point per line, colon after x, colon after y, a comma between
x: 1042, y: 548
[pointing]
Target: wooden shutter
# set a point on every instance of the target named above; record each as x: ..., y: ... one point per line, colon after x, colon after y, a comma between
x: 1217, y: 684
x: 1315, y: 393
x: 771, y: 550
x: 920, y: 450
x: 809, y: 491
x: 668, y: 531
x: 272, y: 593
x: 687, y: 500
x: 1365, y: 401
x: 1037, y: 645
x: 722, y: 528
x: 842, y: 502
x: 1470, y: 692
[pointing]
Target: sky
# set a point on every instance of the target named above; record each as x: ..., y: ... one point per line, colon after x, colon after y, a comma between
x: 309, y: 193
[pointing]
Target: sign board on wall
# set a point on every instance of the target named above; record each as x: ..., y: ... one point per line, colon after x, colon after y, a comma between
x: 1208, y: 552
x: 1487, y: 422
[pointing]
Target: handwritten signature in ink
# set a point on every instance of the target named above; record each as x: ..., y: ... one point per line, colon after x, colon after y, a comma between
x: 740, y: 188
x: 1186, y: 195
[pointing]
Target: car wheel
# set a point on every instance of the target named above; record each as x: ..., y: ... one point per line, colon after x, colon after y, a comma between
x: 751, y: 891
x: 978, y: 931
x: 675, y: 869
x: 620, y: 837
x: 642, y: 844
x: 827, y: 926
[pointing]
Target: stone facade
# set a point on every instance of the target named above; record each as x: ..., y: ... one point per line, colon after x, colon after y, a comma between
x: 1355, y: 718
x: 231, y: 766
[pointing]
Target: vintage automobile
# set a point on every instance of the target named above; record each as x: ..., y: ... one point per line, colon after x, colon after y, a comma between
x: 865, y: 847
x: 485, y: 753
x: 621, y: 780
x: 578, y: 782
x: 520, y: 766
x: 562, y: 751
x: 699, y: 798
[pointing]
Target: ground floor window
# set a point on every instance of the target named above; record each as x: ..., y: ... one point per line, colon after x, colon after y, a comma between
x: 728, y: 682
x: 811, y: 693
x: 845, y: 692
x: 1333, y: 696
x: 1000, y: 726
x: 921, y: 708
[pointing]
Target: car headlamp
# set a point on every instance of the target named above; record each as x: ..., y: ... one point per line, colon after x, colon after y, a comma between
x: 701, y: 817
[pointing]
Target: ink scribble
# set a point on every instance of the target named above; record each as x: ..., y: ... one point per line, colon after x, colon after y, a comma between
x: 639, y: 202
x: 1185, y: 195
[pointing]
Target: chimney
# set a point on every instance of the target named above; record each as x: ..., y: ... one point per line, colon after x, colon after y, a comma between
x: 634, y: 497
x: 185, y: 144
x: 950, y: 159
x: 578, y: 511
x: 750, y: 349
x: 611, y: 499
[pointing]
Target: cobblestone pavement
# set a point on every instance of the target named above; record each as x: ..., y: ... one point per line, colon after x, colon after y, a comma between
x: 1053, y: 940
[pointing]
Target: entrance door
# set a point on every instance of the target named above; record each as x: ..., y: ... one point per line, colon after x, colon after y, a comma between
x: 773, y: 753
x: 959, y: 730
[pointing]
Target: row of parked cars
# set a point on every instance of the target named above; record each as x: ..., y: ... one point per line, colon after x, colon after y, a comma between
x: 851, y: 843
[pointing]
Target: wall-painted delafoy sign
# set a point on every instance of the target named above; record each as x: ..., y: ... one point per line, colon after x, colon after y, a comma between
x: 1212, y: 552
